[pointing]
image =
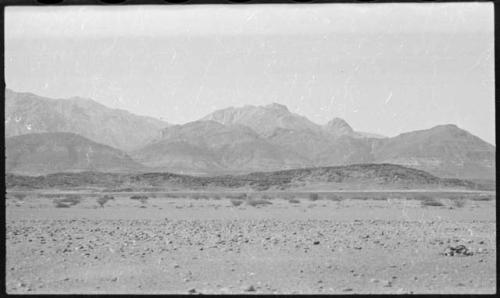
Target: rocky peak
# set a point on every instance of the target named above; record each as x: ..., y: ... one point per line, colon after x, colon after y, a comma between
x: 338, y: 126
x: 277, y: 107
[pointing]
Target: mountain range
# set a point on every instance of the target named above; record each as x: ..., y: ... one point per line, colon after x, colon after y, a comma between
x: 236, y: 140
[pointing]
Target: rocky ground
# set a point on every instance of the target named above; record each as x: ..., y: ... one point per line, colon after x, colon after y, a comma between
x: 211, y: 246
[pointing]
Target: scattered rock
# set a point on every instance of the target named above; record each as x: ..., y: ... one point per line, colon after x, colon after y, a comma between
x: 316, y: 242
x: 460, y: 250
x: 192, y: 291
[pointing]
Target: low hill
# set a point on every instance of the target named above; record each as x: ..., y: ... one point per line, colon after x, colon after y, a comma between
x: 43, y: 153
x: 363, y: 176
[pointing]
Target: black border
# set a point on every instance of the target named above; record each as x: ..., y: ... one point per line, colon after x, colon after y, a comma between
x: 187, y: 2
x: 4, y: 3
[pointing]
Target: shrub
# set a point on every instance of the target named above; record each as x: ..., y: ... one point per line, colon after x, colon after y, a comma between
x: 360, y: 198
x: 197, y: 196
x: 103, y: 200
x: 142, y: 198
x: 19, y: 196
x: 483, y: 198
x: 313, y: 196
x: 236, y: 202
x: 333, y: 197
x: 458, y: 202
x: 256, y: 202
x: 68, y: 201
x: 429, y: 201
x: 242, y: 196
x: 266, y: 197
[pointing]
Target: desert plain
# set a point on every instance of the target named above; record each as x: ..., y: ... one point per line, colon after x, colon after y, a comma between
x: 277, y: 243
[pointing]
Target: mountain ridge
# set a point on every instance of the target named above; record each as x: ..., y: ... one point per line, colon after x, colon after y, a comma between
x: 252, y: 138
x: 29, y: 113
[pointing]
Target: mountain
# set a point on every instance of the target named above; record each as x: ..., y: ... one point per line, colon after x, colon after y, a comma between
x: 210, y: 147
x: 362, y: 177
x: 444, y: 150
x: 207, y: 147
x: 42, y: 153
x: 263, y: 119
x: 269, y: 138
x: 29, y: 113
x: 249, y: 138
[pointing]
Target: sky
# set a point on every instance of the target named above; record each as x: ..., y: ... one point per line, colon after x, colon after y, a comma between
x: 384, y: 68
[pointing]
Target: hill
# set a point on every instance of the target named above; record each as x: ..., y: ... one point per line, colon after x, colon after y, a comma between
x: 363, y: 176
x: 35, y: 154
x: 29, y: 113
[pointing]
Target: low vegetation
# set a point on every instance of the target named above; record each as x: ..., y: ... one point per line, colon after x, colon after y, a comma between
x: 459, y: 202
x: 258, y: 202
x: 429, y: 201
x: 68, y: 201
x: 20, y: 197
x: 199, y: 197
x: 313, y: 197
x: 266, y: 197
x: 103, y: 200
x: 141, y: 198
x: 333, y: 197
x: 242, y: 196
x: 483, y: 198
x: 236, y: 202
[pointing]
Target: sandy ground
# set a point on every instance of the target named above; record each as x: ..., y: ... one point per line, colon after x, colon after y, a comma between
x: 210, y: 246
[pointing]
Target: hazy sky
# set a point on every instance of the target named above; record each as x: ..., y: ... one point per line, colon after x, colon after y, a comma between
x: 384, y: 68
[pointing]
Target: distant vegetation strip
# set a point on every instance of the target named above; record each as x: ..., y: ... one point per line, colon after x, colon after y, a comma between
x: 392, y: 176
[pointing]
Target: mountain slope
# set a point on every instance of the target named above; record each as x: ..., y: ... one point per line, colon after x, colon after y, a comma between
x: 36, y: 154
x: 211, y: 147
x: 444, y: 150
x: 29, y: 113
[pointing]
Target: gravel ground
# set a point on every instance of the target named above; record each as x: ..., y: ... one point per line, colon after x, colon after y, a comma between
x: 209, y: 246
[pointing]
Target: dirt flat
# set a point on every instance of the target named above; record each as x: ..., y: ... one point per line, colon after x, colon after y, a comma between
x: 184, y: 245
